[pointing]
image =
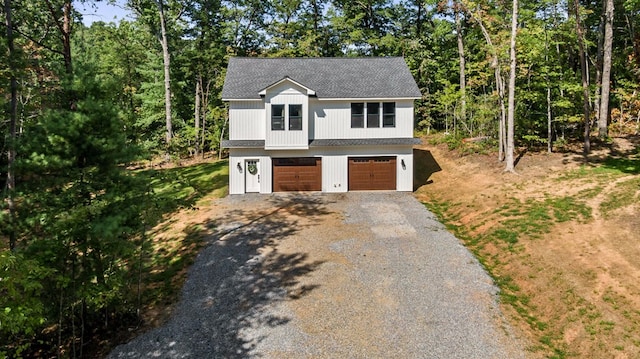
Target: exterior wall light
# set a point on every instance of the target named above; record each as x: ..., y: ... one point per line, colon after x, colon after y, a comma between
x: 239, y: 167
x: 404, y: 166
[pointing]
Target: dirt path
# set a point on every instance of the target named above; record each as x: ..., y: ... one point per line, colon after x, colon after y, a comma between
x: 577, y: 282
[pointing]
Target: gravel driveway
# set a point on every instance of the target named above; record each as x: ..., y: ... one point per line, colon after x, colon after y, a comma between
x: 356, y: 275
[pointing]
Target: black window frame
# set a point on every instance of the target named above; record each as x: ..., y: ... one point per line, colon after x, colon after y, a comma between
x: 373, y: 115
x: 388, y: 117
x: 274, y: 118
x: 357, y: 119
x: 295, y: 120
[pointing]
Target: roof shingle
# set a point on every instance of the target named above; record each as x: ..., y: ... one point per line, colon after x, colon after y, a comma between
x: 336, y: 77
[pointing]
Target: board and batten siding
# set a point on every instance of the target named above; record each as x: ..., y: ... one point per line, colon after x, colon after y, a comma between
x: 332, y: 120
x: 287, y: 94
x: 246, y: 120
x: 334, y: 165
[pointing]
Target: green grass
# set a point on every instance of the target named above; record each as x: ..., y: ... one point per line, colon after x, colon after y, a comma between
x: 624, y: 194
x: 518, y: 220
x: 182, y: 187
x: 172, y: 190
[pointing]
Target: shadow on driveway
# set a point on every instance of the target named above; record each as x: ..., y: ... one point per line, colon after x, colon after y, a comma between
x: 236, y: 282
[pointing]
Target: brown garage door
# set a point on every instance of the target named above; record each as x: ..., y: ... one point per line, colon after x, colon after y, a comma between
x: 297, y: 174
x: 372, y: 173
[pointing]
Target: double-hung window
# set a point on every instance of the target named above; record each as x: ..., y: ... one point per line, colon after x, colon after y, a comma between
x: 389, y: 114
x: 277, y: 117
x: 295, y: 117
x: 357, y: 115
x: 373, y: 115
x: 377, y: 114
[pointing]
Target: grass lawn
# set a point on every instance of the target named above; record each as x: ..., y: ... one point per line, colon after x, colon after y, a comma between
x: 171, y: 241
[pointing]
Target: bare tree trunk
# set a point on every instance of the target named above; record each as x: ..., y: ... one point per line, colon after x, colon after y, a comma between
x: 463, y: 82
x: 13, y: 114
x: 598, y: 64
x: 167, y: 75
x: 66, y: 37
x: 585, y: 79
x: 549, y: 113
x: 495, y: 63
x: 197, y: 115
x: 510, y: 165
x: 205, y: 106
x: 606, y: 70
x: 224, y: 125
x: 549, y: 120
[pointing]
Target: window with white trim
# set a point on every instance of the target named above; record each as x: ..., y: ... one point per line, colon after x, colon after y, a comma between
x: 373, y: 115
x: 295, y: 117
x: 357, y: 115
x: 277, y: 117
x: 371, y: 111
x: 389, y: 114
x: 283, y: 117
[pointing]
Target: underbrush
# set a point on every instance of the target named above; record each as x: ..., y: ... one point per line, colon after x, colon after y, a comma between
x: 145, y: 278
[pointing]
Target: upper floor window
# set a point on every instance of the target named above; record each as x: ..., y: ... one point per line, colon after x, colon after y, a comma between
x: 372, y: 112
x: 357, y: 115
x: 373, y: 115
x: 389, y: 114
x: 277, y: 117
x: 295, y: 117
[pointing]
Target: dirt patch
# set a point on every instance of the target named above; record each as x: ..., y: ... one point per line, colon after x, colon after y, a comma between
x: 575, y: 281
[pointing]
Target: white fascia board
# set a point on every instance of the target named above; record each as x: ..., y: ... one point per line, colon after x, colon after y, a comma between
x: 310, y: 92
x: 241, y: 99
x: 367, y: 99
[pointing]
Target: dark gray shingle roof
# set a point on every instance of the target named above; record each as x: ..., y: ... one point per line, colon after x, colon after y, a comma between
x: 329, y: 142
x: 243, y: 143
x: 365, y: 142
x: 335, y: 77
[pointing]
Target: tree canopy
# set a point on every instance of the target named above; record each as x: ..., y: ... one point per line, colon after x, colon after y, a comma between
x: 79, y: 103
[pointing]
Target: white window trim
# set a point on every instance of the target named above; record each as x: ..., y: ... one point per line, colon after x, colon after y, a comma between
x: 380, y: 114
x: 286, y: 121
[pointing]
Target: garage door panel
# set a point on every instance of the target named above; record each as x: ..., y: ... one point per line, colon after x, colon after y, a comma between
x: 372, y: 173
x: 297, y: 174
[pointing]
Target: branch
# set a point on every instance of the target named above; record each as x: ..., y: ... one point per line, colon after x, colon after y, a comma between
x: 53, y: 15
x: 37, y: 42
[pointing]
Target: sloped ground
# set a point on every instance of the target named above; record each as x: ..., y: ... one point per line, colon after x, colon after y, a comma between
x: 562, y: 237
x: 358, y: 275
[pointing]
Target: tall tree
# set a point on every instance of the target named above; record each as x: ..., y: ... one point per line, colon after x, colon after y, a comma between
x: 512, y: 88
x: 13, y: 114
x: 603, y: 116
x: 158, y: 26
x: 585, y: 77
x: 461, y: 56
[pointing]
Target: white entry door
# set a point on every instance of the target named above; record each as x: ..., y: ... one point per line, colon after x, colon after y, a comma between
x: 252, y: 175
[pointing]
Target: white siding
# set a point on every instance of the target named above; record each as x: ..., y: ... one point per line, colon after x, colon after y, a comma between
x: 237, y: 175
x: 334, y: 165
x: 287, y: 93
x: 334, y: 173
x: 332, y: 120
x: 246, y: 120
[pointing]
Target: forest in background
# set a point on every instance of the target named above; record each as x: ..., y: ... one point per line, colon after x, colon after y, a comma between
x: 80, y: 104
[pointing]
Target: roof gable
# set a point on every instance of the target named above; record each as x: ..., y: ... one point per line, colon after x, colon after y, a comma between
x: 330, y: 78
x: 309, y: 91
